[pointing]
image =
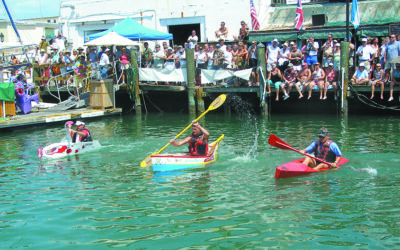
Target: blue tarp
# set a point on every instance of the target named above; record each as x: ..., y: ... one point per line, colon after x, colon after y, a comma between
x: 131, y: 29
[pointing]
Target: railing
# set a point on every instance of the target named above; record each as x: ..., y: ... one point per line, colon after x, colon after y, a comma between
x: 287, y: 2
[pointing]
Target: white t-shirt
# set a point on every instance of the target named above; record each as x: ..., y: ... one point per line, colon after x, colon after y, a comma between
x: 201, y: 57
x: 366, y: 51
x: 104, y: 60
x: 158, y: 62
x: 273, y: 54
x: 228, y: 58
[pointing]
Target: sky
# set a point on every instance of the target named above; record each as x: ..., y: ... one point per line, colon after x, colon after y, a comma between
x: 24, y: 9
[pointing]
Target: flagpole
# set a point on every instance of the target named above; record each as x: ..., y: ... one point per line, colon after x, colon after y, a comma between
x: 347, y: 21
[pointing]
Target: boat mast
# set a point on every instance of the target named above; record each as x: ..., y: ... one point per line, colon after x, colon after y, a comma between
x: 11, y: 20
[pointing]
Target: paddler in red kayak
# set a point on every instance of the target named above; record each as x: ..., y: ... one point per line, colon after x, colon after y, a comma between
x: 198, y: 140
x: 324, y: 149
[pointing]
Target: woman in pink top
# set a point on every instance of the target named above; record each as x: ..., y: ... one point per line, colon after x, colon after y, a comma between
x: 330, y: 79
x: 124, y: 60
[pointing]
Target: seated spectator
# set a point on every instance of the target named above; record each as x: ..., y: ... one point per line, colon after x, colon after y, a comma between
x: 395, y: 80
x: 275, y: 78
x: 318, y: 76
x: 295, y: 57
x: 330, y: 79
x: 243, y: 32
x: 304, y: 79
x: 377, y: 78
x: 365, y: 54
x: 289, y: 77
x: 283, y: 60
x: 222, y: 32
x: 360, y: 77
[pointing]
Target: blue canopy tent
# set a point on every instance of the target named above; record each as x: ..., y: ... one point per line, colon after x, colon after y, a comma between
x: 131, y: 29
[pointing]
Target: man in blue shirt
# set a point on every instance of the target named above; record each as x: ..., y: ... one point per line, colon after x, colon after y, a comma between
x: 323, y: 149
x: 392, y: 51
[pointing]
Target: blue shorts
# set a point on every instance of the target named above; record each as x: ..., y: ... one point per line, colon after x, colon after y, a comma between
x: 311, y: 60
x: 276, y: 84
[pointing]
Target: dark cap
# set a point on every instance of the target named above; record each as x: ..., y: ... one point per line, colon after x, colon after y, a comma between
x: 323, y: 132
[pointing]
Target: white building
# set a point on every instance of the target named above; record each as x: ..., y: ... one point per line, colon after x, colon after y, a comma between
x: 79, y: 19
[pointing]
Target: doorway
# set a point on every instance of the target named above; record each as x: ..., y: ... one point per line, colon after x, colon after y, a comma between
x: 182, y: 32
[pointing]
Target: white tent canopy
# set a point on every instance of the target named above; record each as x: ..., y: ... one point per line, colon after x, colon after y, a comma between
x: 112, y: 38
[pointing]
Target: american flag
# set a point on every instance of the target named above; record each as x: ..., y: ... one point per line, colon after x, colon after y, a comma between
x: 253, y: 14
x: 298, y: 23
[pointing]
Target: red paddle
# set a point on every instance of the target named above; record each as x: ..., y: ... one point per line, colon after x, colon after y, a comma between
x: 277, y: 142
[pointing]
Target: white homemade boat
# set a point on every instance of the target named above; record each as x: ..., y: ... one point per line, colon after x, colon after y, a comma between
x: 178, y: 161
x: 65, y: 148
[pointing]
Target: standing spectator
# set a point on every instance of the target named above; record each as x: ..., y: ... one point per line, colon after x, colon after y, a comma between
x: 221, y: 42
x: 375, y: 46
x: 218, y: 58
x: 289, y: 77
x: 93, y: 59
x: 395, y: 80
x: 283, y: 59
x: 60, y: 41
x: 169, y: 59
x: 124, y: 60
x: 275, y: 78
x: 360, y: 76
x: 158, y: 57
x: 330, y: 80
x: 243, y: 32
x: 80, y: 69
x: 382, y: 51
x: 365, y: 54
x: 304, y: 79
x: 252, y: 62
x: 146, y: 56
x: 68, y: 61
x: 201, y: 62
x: 242, y: 57
x: 222, y: 32
x: 74, y: 56
x: 44, y: 44
x: 80, y: 52
x: 210, y: 56
x: 336, y: 57
x: 42, y: 57
x: 295, y: 57
x: 235, y: 52
x: 377, y: 79
x: 228, y: 57
x: 104, y: 63
x: 311, y: 51
x: 318, y: 76
x: 329, y: 42
x: 272, y: 54
x: 392, y: 51
x: 192, y: 40
x: 327, y: 55
x: 181, y: 57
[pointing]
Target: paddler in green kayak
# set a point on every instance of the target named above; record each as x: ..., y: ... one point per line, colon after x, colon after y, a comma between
x: 323, y: 149
x: 198, y: 140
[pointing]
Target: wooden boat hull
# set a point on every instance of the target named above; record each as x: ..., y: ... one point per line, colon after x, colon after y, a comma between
x: 297, y: 168
x: 62, y: 149
x: 179, y: 161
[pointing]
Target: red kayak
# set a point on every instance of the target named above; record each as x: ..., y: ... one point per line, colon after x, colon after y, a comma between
x: 297, y: 168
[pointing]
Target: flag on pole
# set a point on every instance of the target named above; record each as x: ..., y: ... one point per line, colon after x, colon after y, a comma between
x: 253, y: 14
x: 355, y: 16
x: 298, y: 23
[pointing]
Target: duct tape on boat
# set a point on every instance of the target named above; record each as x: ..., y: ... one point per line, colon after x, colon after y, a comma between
x: 92, y: 114
x: 58, y: 118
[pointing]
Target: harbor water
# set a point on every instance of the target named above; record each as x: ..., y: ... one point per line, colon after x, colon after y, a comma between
x: 104, y: 199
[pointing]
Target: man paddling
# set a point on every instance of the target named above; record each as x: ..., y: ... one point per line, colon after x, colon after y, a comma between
x: 198, y: 140
x: 324, y: 149
x: 80, y: 134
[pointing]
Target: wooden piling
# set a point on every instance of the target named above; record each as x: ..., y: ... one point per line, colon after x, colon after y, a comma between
x: 190, y: 80
x: 199, y: 100
x: 344, y: 65
x: 138, y: 104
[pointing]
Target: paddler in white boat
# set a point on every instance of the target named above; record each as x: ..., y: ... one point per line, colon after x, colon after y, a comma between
x: 324, y: 149
x: 81, y: 134
x: 198, y: 140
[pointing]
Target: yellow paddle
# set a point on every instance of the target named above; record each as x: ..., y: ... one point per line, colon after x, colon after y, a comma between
x: 214, y: 105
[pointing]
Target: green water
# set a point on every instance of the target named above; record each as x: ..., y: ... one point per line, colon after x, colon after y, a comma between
x: 105, y: 200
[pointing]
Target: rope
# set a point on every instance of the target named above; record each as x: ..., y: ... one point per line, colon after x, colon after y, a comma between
x: 371, y: 103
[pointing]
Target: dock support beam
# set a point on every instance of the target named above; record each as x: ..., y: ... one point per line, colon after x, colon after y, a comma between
x: 190, y: 80
x: 262, y: 78
x: 138, y: 104
x: 344, y: 66
x: 200, y: 101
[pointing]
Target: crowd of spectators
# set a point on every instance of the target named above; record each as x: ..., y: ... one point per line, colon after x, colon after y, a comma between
x: 313, y: 65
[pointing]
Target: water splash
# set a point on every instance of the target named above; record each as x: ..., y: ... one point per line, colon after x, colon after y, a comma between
x: 368, y: 170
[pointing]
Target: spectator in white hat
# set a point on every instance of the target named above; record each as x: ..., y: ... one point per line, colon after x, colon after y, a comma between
x: 365, y: 54
x: 80, y: 134
x: 360, y: 77
x: 272, y: 54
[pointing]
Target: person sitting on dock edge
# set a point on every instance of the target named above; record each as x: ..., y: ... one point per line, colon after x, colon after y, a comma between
x: 324, y: 149
x: 198, y: 140
x: 81, y: 134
